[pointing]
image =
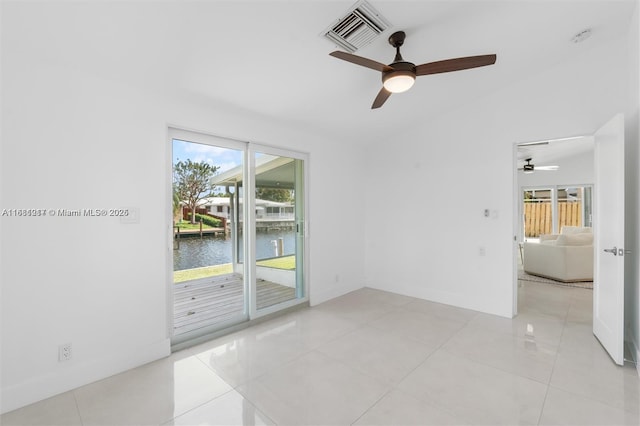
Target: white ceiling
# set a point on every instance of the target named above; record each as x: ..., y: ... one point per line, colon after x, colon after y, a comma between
x: 268, y: 57
x: 554, y: 151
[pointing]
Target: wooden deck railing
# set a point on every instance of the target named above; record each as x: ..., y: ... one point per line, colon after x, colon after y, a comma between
x: 537, y: 217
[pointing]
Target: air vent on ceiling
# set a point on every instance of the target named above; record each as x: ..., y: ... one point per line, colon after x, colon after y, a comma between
x: 359, y: 27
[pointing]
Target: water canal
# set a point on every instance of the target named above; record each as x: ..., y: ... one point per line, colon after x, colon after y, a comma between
x: 196, y: 252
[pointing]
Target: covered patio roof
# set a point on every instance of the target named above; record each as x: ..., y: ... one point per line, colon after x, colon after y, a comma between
x: 271, y: 172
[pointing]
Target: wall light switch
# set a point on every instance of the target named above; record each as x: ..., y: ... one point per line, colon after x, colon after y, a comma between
x: 130, y: 215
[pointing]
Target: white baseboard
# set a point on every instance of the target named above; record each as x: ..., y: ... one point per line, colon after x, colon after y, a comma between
x: 458, y: 300
x: 317, y: 298
x: 43, y: 387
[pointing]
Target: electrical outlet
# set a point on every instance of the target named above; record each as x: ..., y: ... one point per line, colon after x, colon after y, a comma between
x: 64, y: 352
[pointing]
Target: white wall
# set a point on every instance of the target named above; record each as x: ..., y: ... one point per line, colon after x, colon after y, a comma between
x: 72, y: 139
x: 452, y: 167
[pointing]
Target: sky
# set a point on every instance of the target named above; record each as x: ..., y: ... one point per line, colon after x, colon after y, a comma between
x: 224, y: 158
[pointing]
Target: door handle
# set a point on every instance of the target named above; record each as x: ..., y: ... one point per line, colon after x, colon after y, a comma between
x: 613, y: 251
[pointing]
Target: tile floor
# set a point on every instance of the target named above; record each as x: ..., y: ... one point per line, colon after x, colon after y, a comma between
x: 375, y: 358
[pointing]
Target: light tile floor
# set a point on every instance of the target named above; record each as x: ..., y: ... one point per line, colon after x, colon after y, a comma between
x: 375, y: 358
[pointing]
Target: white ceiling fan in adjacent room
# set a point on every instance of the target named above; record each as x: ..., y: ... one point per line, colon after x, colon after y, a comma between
x: 529, y: 167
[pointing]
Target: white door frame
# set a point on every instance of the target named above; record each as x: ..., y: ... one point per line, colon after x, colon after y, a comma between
x: 612, y: 340
x: 517, y: 211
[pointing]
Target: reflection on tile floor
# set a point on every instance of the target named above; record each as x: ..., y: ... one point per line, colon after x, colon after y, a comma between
x: 375, y: 358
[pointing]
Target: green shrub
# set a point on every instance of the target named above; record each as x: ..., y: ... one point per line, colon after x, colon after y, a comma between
x: 207, y: 220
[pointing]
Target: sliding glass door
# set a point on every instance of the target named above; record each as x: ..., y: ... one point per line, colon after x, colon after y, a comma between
x: 574, y: 205
x: 537, y: 212
x: 546, y: 210
x: 208, y: 284
x: 278, y: 229
x: 238, y: 232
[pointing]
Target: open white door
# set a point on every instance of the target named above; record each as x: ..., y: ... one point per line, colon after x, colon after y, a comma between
x: 608, y: 288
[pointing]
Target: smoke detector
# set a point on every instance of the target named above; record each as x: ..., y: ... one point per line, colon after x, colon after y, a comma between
x: 581, y: 36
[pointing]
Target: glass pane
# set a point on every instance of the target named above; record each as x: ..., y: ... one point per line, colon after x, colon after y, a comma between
x: 537, y: 213
x: 587, y: 217
x: 279, y: 232
x: 207, y: 273
x: 574, y: 206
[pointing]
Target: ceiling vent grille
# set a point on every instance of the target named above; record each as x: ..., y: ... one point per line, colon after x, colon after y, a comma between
x: 359, y: 27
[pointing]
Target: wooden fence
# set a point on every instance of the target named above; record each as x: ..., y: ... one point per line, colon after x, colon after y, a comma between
x: 537, y: 217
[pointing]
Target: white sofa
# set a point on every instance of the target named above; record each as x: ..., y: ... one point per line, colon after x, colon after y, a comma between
x: 566, y: 257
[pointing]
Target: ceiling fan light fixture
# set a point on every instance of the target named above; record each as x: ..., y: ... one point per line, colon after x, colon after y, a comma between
x: 398, y: 81
x: 399, y: 76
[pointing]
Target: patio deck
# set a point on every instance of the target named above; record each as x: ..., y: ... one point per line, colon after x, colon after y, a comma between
x: 218, y: 300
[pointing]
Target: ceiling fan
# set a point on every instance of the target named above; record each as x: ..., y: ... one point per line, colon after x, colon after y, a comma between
x: 400, y: 75
x: 529, y: 167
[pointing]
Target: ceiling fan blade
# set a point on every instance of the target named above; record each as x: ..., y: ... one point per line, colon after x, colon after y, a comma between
x: 456, y: 64
x: 382, y: 97
x: 359, y: 60
x: 543, y: 168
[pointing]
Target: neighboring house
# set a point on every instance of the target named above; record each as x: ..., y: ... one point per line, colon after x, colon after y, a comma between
x: 265, y: 209
x: 217, y: 206
x: 274, y: 210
